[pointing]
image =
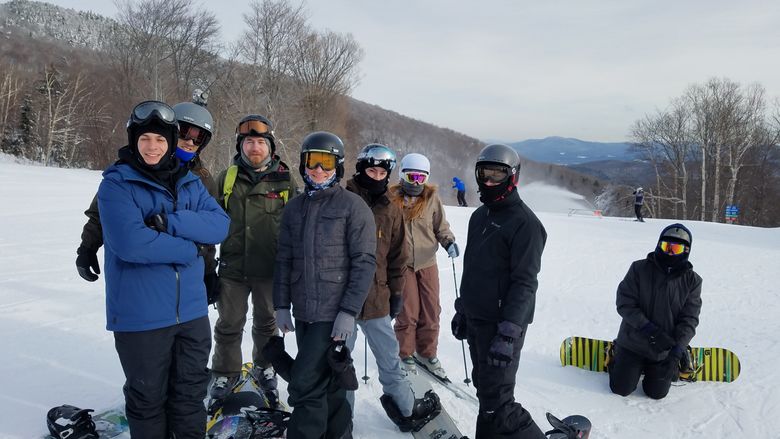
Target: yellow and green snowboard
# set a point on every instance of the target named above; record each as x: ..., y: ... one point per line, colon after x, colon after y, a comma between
x: 708, y: 363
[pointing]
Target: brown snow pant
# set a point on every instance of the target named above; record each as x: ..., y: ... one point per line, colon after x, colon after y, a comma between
x: 417, y: 327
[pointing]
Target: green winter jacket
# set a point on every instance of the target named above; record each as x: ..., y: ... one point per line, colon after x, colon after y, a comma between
x: 255, y: 211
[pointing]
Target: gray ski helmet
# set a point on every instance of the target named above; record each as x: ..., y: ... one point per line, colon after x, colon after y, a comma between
x: 255, y: 125
x: 677, y: 232
x: 195, y: 115
x: 375, y: 154
x: 323, y: 141
x: 498, y: 153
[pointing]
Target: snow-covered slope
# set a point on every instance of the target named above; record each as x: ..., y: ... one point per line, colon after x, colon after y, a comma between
x: 55, y: 348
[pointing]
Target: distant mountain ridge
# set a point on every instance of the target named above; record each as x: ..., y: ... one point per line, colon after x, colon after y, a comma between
x: 569, y: 151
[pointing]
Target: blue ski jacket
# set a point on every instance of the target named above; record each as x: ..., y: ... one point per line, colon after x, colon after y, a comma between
x: 155, y: 280
x: 458, y: 184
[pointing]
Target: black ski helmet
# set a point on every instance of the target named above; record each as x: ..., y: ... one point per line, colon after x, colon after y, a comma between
x: 195, y: 115
x: 323, y: 141
x: 677, y: 232
x: 264, y: 129
x: 375, y: 154
x: 501, y: 154
x: 67, y: 421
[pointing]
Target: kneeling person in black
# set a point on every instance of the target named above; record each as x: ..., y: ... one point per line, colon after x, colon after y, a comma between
x: 659, y: 301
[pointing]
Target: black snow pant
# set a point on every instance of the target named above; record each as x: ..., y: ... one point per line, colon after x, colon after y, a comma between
x: 500, y: 416
x: 627, y: 367
x: 320, y: 407
x: 462, y: 198
x: 638, y: 212
x: 166, y: 379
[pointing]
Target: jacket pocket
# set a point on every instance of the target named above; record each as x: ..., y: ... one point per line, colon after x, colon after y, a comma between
x: 333, y: 225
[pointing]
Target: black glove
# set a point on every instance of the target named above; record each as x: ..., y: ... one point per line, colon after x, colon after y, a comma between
x: 279, y: 358
x: 396, y: 305
x: 213, y: 287
x: 341, y: 363
x: 459, y: 328
x: 673, y: 362
x: 502, y: 347
x: 158, y: 222
x: 659, y: 340
x: 85, y: 260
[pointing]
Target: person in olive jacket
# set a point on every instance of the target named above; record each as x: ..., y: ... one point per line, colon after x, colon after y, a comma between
x: 374, y: 164
x: 659, y: 301
x: 325, y: 266
x: 195, y: 132
x: 498, y: 293
x: 254, y: 192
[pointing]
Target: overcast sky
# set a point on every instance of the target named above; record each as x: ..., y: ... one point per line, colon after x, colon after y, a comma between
x: 517, y: 69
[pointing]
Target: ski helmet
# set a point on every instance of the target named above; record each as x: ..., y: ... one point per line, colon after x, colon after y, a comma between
x: 67, y: 421
x: 375, y: 154
x: 498, y: 158
x: 500, y: 154
x: 323, y: 141
x: 417, y: 162
x: 677, y: 232
x: 188, y: 113
x: 255, y: 125
x: 155, y: 117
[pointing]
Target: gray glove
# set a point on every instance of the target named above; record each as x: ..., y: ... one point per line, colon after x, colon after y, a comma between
x: 343, y: 327
x: 284, y: 320
x: 452, y: 250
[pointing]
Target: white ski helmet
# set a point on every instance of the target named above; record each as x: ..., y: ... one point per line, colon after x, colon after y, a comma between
x: 416, y: 161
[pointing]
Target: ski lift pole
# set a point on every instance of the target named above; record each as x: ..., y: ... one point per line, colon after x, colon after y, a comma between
x: 462, y: 345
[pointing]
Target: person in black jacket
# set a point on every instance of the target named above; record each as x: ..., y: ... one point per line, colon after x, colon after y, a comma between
x: 659, y: 301
x: 498, y: 290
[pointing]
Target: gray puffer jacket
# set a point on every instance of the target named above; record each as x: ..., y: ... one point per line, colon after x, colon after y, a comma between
x: 325, y: 259
x: 671, y: 301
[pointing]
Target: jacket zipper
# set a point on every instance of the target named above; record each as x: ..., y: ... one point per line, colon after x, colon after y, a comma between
x: 175, y: 269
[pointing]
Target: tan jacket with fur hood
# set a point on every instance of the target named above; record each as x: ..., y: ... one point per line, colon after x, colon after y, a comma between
x: 425, y: 223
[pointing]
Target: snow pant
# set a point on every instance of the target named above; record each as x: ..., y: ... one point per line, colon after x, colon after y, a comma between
x: 417, y: 327
x: 638, y: 211
x: 320, y: 407
x: 166, y: 379
x: 626, y: 369
x: 500, y: 416
x: 462, y: 198
x: 381, y: 339
x: 232, y: 307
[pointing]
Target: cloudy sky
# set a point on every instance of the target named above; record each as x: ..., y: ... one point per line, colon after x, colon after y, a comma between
x: 519, y: 69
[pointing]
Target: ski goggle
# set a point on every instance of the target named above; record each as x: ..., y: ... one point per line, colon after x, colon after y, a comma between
x: 148, y: 110
x: 325, y: 160
x: 492, y: 173
x: 198, y: 135
x: 415, y: 177
x: 252, y: 127
x: 673, y: 248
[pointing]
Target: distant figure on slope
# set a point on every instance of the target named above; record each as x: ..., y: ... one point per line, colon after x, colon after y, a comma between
x: 459, y: 186
x: 639, y: 200
x: 659, y: 301
x: 498, y: 293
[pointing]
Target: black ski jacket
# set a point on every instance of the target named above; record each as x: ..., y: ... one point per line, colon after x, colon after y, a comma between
x: 671, y: 301
x: 502, y: 259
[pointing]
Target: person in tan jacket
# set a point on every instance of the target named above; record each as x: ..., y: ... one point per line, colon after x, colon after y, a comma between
x: 426, y: 227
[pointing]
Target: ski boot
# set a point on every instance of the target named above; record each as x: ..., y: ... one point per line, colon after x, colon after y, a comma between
x: 222, y: 385
x: 424, y: 409
x: 433, y: 365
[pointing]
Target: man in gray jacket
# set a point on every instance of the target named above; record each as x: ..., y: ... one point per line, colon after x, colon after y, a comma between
x: 325, y: 266
x: 659, y: 301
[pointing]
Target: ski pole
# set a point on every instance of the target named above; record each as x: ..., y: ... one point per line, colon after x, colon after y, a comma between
x: 365, y: 360
x: 462, y: 345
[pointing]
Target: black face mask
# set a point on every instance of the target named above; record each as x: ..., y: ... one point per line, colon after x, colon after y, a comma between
x: 492, y: 194
x: 670, y: 262
x: 412, y: 189
x: 373, y: 187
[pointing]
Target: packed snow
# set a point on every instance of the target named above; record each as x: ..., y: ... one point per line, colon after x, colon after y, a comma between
x: 56, y: 349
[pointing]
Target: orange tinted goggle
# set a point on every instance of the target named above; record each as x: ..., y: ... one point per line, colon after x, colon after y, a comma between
x: 252, y: 127
x: 674, y: 248
x: 325, y: 160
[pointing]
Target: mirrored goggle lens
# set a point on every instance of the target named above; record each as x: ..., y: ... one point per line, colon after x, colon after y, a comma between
x: 325, y: 160
x: 378, y: 157
x: 189, y: 132
x: 250, y: 126
x: 674, y: 248
x: 416, y: 177
x: 148, y: 109
x: 494, y: 174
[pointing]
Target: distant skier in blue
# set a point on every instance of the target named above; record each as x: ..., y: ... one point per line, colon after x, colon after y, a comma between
x: 639, y: 199
x: 458, y: 185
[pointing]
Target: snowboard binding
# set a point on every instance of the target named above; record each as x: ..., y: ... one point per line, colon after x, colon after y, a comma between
x: 410, y: 423
x: 571, y: 427
x: 67, y: 421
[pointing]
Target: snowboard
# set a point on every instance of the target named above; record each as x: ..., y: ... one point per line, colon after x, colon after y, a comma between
x: 109, y: 424
x: 439, y: 427
x: 708, y: 363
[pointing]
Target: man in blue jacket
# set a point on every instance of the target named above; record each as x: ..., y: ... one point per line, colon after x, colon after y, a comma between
x: 156, y: 218
x: 459, y: 186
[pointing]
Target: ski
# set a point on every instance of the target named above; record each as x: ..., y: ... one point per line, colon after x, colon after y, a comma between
x: 448, y: 384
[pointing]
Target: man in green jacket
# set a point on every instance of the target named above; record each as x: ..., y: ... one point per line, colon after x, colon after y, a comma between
x: 255, y: 190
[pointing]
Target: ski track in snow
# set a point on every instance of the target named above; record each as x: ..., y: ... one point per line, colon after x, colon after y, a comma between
x: 56, y: 349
